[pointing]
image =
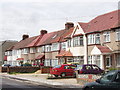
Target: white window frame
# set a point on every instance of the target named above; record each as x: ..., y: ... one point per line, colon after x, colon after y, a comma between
x: 106, y: 35
x: 118, y: 60
x: 109, y: 61
x: 89, y: 59
x: 69, y: 43
x: 77, y: 41
x: 47, y: 48
x: 55, y: 46
x: 118, y: 35
x: 93, y: 38
x: 63, y: 45
x: 96, y: 59
x: 33, y: 50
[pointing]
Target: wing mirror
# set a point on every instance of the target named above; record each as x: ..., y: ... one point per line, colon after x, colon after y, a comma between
x: 98, y: 80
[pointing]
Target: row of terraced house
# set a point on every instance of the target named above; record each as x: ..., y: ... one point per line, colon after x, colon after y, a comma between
x: 96, y: 42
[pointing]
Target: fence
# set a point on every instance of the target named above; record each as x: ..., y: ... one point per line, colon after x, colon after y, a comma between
x: 45, y: 69
x: 20, y: 69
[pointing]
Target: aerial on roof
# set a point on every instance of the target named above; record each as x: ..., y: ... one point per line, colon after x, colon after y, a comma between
x: 102, y: 22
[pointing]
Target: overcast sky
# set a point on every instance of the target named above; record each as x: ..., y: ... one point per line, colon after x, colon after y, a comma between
x: 18, y: 17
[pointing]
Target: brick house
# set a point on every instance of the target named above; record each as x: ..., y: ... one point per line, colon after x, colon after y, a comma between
x: 95, y: 42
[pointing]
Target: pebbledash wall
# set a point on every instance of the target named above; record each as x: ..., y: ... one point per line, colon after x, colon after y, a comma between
x: 85, y: 44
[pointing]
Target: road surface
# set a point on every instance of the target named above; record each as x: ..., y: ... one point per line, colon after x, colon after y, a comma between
x: 12, y: 84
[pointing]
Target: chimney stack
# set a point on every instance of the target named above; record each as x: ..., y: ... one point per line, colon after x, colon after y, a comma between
x: 68, y: 25
x: 25, y: 36
x: 42, y: 32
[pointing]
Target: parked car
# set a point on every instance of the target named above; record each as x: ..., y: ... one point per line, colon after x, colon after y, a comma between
x: 88, y: 69
x: 109, y: 81
x: 63, y: 70
x: 26, y: 65
x: 6, y: 65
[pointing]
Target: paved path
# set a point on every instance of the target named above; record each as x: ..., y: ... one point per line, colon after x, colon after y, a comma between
x: 11, y: 84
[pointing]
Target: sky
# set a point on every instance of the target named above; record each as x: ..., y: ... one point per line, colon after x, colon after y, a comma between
x: 18, y: 17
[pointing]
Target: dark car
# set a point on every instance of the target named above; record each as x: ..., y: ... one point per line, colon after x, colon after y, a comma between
x: 109, y: 81
x: 88, y: 69
x: 63, y: 70
x: 6, y: 65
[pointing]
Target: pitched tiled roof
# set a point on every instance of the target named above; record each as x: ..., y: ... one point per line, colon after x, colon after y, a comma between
x: 103, y: 49
x: 66, y: 34
x: 24, y: 43
x: 102, y: 22
x: 44, y: 39
x: 35, y: 41
x: 53, y: 37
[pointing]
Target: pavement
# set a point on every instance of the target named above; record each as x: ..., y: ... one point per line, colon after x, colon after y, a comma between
x: 42, y: 80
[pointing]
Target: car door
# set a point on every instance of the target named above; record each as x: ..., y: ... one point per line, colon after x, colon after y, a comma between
x: 116, y: 82
x: 68, y: 70
x: 88, y: 69
x: 106, y: 81
x: 95, y: 69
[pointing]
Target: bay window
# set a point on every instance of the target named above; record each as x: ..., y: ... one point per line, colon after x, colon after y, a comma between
x: 118, y: 59
x: 108, y: 61
x: 97, y: 60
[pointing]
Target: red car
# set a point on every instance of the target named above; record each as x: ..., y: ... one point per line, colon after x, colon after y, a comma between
x: 63, y: 70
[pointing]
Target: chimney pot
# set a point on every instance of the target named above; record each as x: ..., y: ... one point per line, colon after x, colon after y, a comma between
x: 68, y: 25
x: 42, y: 32
x: 25, y: 36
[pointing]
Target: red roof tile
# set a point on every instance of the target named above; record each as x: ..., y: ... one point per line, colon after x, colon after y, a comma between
x: 24, y: 43
x: 64, y: 53
x: 20, y: 59
x: 35, y: 41
x: 103, y: 49
x: 44, y: 39
x: 102, y: 22
x: 39, y: 57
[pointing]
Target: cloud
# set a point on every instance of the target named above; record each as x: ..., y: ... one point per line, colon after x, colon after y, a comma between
x: 31, y: 17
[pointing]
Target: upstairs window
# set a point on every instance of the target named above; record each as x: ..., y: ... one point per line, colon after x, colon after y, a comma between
x: 106, y: 36
x: 69, y: 43
x: 33, y: 50
x: 118, y: 35
x: 94, y: 38
x: 63, y: 45
x: 55, y: 46
x: 78, y: 41
x: 48, y: 48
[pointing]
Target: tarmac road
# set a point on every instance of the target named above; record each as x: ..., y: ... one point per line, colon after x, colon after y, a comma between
x: 11, y: 84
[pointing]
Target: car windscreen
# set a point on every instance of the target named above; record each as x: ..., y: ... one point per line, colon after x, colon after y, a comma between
x: 79, y: 67
x: 58, y: 66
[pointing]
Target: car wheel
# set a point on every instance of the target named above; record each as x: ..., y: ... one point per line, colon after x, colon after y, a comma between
x: 74, y: 75
x: 56, y: 75
x: 87, y: 88
x: 63, y: 75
